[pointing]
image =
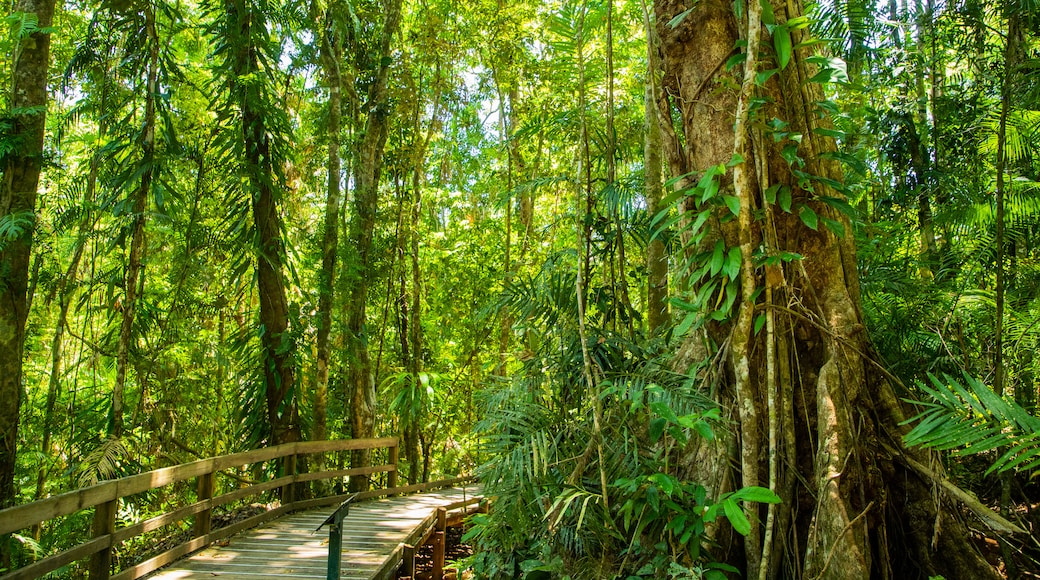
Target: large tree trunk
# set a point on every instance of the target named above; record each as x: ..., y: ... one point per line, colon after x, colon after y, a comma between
x: 818, y: 422
x: 21, y: 177
x: 366, y: 198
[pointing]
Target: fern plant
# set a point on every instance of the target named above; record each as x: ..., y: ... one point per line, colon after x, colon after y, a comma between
x: 969, y: 418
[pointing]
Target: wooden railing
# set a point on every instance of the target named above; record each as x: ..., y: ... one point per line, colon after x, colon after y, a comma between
x: 104, y: 498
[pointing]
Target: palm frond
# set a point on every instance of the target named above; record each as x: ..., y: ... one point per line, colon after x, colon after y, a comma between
x: 968, y: 417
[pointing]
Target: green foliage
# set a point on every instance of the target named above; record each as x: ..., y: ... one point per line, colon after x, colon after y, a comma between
x: 968, y: 417
x: 14, y: 226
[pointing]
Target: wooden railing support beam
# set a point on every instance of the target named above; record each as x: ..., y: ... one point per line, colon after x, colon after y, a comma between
x: 391, y: 477
x: 204, y: 491
x: 439, y: 538
x: 104, y: 525
x: 289, y: 490
x: 408, y: 563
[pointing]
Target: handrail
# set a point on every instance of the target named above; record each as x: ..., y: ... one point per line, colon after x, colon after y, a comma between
x: 104, y: 499
x: 335, y: 523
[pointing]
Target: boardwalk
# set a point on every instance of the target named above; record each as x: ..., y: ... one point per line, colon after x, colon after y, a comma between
x: 373, y: 534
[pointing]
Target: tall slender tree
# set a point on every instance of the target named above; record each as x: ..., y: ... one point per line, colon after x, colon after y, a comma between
x: 368, y: 164
x: 249, y: 55
x: 133, y: 282
x: 331, y: 59
x: 653, y: 167
x: 20, y: 180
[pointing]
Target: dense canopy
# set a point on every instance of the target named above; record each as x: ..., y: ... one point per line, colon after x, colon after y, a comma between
x: 698, y: 289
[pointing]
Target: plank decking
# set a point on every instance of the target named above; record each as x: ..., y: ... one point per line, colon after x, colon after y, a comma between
x: 289, y: 547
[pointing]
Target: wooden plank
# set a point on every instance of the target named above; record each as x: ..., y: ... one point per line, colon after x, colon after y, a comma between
x: 150, y: 565
x: 309, y: 447
x: 389, y: 568
x: 438, y: 554
x: 418, y: 487
x: 52, y: 563
x: 30, y: 514
x: 391, y: 480
x: 408, y: 564
x: 314, y: 475
x: 244, y: 492
x: 376, y: 533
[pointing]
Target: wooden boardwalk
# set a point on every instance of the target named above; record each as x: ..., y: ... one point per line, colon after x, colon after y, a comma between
x: 376, y: 534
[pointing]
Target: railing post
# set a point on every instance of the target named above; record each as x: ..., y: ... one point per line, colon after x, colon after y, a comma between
x: 204, y: 492
x: 391, y: 478
x: 439, y: 538
x: 104, y: 524
x: 408, y: 564
x: 288, y: 490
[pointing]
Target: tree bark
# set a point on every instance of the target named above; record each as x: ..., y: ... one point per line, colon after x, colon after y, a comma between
x: 656, y: 258
x: 18, y: 190
x: 332, y: 54
x: 366, y: 198
x: 277, y: 356
x: 852, y: 509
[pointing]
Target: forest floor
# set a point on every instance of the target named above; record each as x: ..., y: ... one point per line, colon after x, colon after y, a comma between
x: 454, y: 549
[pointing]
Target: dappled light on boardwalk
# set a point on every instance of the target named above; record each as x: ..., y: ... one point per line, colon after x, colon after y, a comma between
x: 291, y: 547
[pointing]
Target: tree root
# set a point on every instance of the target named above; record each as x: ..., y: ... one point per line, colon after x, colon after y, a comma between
x: 992, y: 519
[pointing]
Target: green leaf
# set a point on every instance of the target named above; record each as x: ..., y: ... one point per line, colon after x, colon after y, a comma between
x: 798, y: 23
x: 733, y: 202
x: 760, y: 321
x: 835, y: 226
x: 767, y: 12
x: 665, y: 411
x: 735, y: 60
x: 770, y: 194
x: 657, y: 426
x: 810, y: 43
x: 790, y: 153
x: 756, y: 494
x: 677, y: 20
x: 710, y: 189
x: 832, y: 70
x: 732, y: 266
x: 829, y: 132
x: 686, y: 323
x: 718, y: 257
x: 763, y: 76
x: 808, y: 217
x: 785, y: 198
x: 782, y: 44
x: 736, y: 517
x: 839, y: 204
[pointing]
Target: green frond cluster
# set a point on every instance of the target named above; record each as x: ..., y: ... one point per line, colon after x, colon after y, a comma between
x: 966, y: 416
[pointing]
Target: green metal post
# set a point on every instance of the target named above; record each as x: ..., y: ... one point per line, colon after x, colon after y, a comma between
x: 335, y: 549
x: 335, y: 523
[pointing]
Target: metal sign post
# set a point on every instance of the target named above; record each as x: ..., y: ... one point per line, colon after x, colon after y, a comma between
x: 335, y: 523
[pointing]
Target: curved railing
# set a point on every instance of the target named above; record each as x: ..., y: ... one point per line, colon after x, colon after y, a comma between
x: 104, y: 499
